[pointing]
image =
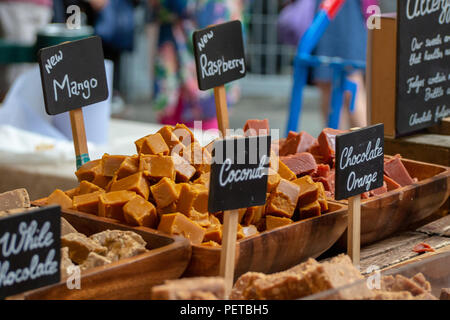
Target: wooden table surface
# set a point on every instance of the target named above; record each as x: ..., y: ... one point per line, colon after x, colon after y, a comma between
x: 398, y: 250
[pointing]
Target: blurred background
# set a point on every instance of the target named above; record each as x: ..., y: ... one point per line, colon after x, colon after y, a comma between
x: 145, y: 82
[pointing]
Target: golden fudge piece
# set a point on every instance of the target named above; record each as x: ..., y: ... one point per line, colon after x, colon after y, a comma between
x: 79, y: 246
x: 273, y: 180
x: 154, y: 144
x: 322, y: 197
x: 213, y: 233
x: 164, y: 192
x: 273, y: 222
x: 201, y: 200
x: 111, y: 204
x: 184, y: 171
x: 309, y: 191
x: 101, y: 181
x: 178, y: 223
x: 60, y: 198
x: 285, y: 172
x: 203, y: 179
x: 184, y: 135
x: 140, y: 212
x: 72, y: 192
x: 157, y: 167
x: 86, y: 187
x: 136, y: 182
x: 128, y: 167
x: 171, y: 140
x: 186, y: 198
x: 310, y: 210
x: 283, y: 200
x: 89, y: 170
x: 87, y: 202
x: 253, y: 215
x: 111, y: 164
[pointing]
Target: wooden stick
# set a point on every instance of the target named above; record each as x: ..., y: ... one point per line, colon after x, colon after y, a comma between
x: 228, y: 253
x: 354, y: 229
x: 79, y: 137
x: 220, y: 96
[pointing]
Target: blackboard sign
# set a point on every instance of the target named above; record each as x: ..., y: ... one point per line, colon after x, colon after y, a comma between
x: 73, y: 75
x: 219, y: 54
x: 30, y: 250
x: 359, y: 161
x: 423, y: 64
x: 239, y: 173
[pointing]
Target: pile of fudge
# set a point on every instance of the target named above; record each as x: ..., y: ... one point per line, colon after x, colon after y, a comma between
x: 78, y: 249
x: 305, y: 155
x: 165, y: 186
x: 97, y: 250
x: 304, y: 280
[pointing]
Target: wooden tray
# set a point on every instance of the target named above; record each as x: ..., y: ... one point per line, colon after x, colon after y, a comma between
x: 130, y: 278
x: 278, y: 249
x: 267, y: 252
x: 396, y: 210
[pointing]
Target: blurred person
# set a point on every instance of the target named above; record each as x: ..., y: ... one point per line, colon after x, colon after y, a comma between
x: 177, y: 96
x: 345, y: 37
x: 20, y: 21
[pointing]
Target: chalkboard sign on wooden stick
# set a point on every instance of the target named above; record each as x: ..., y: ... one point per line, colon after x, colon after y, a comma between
x: 239, y: 174
x: 219, y: 58
x: 423, y: 64
x: 30, y: 250
x: 359, y: 169
x: 73, y: 76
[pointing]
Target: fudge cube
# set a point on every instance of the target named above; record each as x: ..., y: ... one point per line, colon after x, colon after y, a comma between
x: 86, y: 187
x: 60, y: 198
x: 89, y: 170
x: 310, y: 210
x: 178, y: 223
x: 157, y: 166
x: 111, y: 164
x: 273, y: 180
x: 283, y: 200
x: 111, y: 204
x: 322, y: 197
x: 273, y: 222
x: 140, y: 212
x: 172, y: 141
x: 255, y: 127
x: 136, y: 182
x: 154, y: 144
x: 309, y: 191
x: 94, y: 260
x: 285, y: 172
x: 184, y: 171
x: 128, y: 167
x: 14, y: 199
x: 87, y: 202
x: 120, y: 244
x: 164, y: 192
x: 253, y: 215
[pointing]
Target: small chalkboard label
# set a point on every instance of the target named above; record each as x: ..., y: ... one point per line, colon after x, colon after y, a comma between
x: 219, y: 54
x: 423, y: 64
x: 239, y: 173
x: 73, y: 75
x: 30, y: 250
x: 359, y: 161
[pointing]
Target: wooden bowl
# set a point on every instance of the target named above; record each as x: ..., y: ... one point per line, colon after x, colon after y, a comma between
x: 130, y: 278
x: 394, y: 211
x: 269, y: 251
x: 278, y: 249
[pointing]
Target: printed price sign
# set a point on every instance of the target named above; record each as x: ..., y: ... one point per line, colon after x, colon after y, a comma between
x: 239, y: 173
x: 359, y: 161
x: 73, y: 75
x: 30, y: 250
x: 219, y: 54
x: 423, y: 64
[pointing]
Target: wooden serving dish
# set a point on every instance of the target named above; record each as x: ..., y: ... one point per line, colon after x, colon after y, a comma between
x: 269, y: 251
x: 130, y: 278
x: 394, y: 211
x: 278, y: 249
